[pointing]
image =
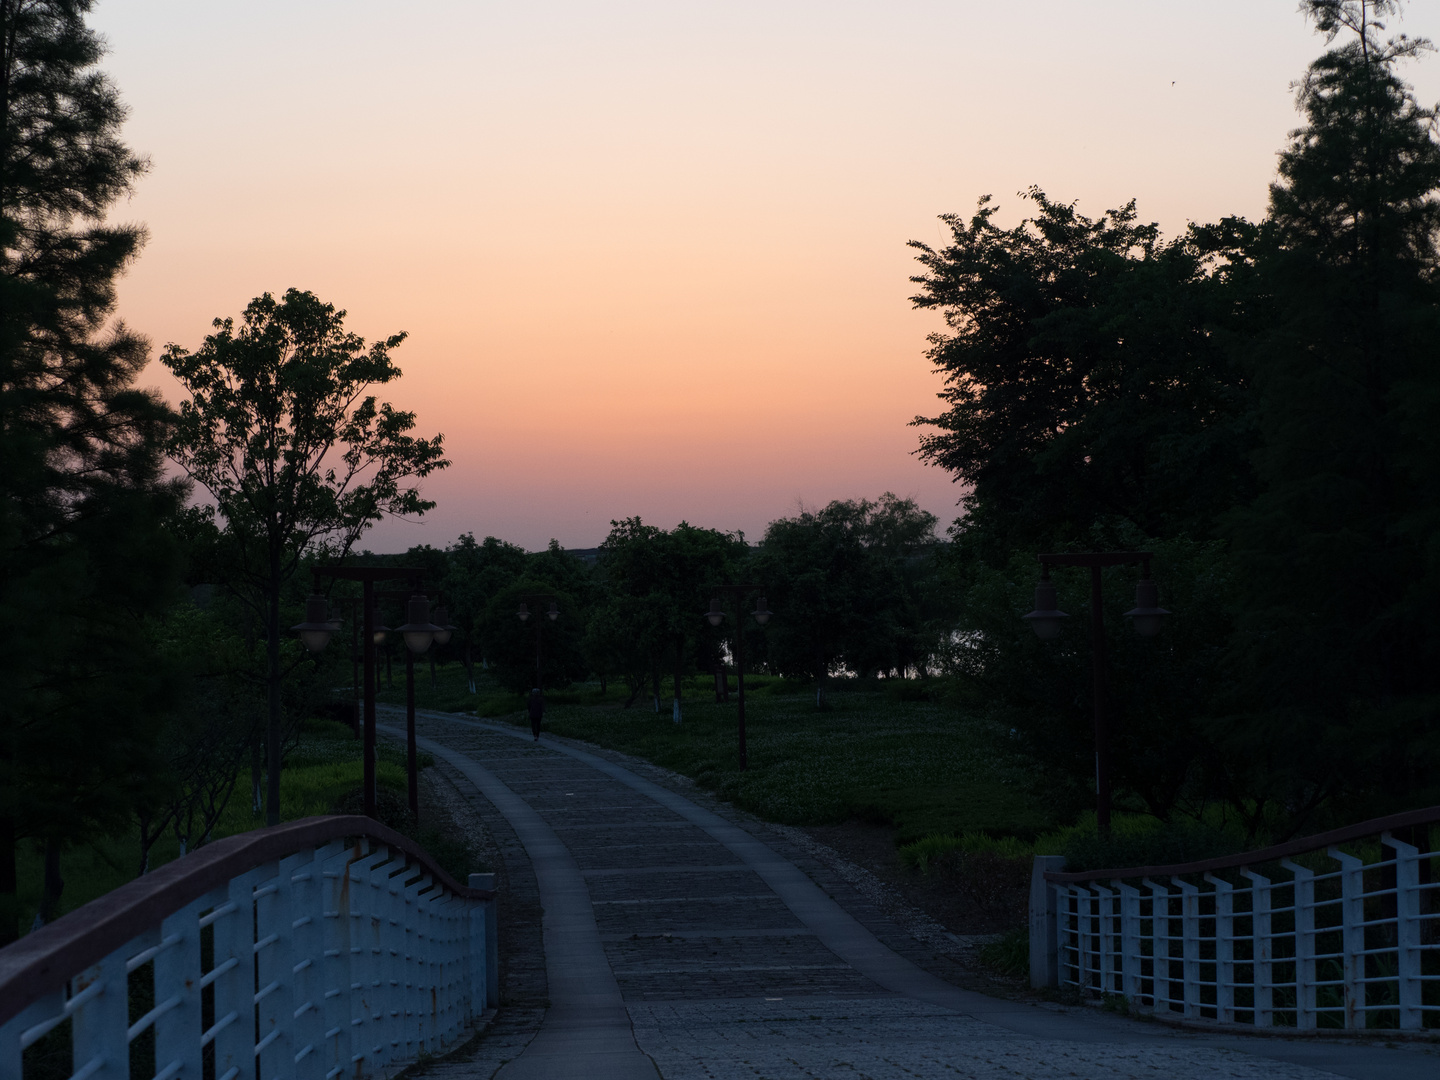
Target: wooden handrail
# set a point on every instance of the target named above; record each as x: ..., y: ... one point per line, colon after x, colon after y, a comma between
x: 42, y: 962
x: 1428, y: 816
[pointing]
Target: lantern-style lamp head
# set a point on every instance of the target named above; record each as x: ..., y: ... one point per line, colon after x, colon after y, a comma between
x: 524, y: 613
x: 715, y: 614
x: 762, y: 613
x: 419, y: 631
x: 315, y: 631
x: 378, y: 629
x: 442, y: 620
x: 1046, y: 619
x: 1149, y: 616
x: 553, y: 613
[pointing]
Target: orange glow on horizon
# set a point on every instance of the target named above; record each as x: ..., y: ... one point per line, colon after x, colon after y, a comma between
x: 651, y: 257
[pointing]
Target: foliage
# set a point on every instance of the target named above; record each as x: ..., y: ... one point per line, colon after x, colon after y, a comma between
x: 1337, y: 657
x: 1251, y: 402
x: 1085, y: 373
x: 474, y: 573
x: 510, y: 643
x: 654, y: 588
x: 847, y: 583
x: 281, y: 429
x: 1010, y: 954
x: 82, y: 495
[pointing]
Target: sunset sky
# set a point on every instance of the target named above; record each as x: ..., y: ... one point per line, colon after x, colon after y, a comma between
x: 651, y: 256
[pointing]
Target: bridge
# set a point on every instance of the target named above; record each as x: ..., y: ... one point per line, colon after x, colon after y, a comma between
x: 645, y: 930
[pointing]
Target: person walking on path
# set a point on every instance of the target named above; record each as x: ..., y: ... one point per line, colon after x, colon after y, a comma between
x: 537, y: 711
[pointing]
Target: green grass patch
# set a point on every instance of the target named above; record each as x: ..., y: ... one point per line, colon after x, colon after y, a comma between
x: 448, y: 691
x: 919, y: 854
x: 1010, y: 955
x: 920, y: 766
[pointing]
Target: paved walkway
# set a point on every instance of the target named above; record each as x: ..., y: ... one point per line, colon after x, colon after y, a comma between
x: 679, y: 945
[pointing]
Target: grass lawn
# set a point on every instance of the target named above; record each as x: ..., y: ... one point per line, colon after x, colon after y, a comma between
x: 923, y: 767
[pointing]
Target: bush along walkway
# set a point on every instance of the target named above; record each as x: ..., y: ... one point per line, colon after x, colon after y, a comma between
x: 678, y: 943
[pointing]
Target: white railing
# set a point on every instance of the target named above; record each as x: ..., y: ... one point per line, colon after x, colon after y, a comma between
x: 327, y: 947
x: 1339, y: 931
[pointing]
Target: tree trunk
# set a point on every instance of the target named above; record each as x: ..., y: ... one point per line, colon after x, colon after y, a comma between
x: 655, y: 680
x: 679, y: 663
x: 272, y: 662
x: 54, y: 884
x: 9, y: 884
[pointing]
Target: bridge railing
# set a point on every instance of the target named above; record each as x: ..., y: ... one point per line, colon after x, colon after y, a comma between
x: 1339, y: 930
x: 325, y: 947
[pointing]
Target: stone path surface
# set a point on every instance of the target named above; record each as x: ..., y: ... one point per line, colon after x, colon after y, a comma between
x: 681, y: 940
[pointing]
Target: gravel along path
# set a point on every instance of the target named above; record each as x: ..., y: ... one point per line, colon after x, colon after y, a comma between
x: 681, y: 940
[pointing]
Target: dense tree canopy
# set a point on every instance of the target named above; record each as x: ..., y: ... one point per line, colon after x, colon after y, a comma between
x: 1256, y: 401
x: 282, y: 429
x: 1085, y: 370
x: 82, y: 495
x: 655, y: 587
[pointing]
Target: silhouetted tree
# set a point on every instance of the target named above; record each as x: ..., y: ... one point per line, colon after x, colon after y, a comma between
x: 281, y: 429
x: 655, y: 588
x: 839, y: 588
x: 1339, y: 652
x: 83, y: 560
x: 1086, y: 373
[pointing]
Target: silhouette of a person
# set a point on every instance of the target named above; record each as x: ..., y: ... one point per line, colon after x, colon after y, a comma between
x: 536, y: 705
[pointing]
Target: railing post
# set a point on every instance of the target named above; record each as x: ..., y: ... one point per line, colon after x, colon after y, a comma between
x: 1262, y: 942
x: 336, y: 975
x: 275, y: 993
x: 1303, y: 892
x: 99, y: 1044
x: 414, y: 968
x: 1352, y: 926
x: 1224, y: 949
x: 1189, y: 945
x: 365, y: 1011
x: 388, y: 1032
x: 234, y: 981
x: 1407, y: 933
x: 1162, y: 961
x: 427, y: 993
x: 1044, y: 925
x: 482, y: 948
x: 1130, y: 948
x: 177, y: 972
x: 310, y: 903
x: 1107, y: 933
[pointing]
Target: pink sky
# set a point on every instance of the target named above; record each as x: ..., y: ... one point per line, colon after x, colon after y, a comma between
x: 651, y: 256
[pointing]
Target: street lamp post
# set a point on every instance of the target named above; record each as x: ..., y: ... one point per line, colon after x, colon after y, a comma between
x: 1148, y: 617
x: 418, y: 632
x: 357, y: 695
x: 316, y: 635
x: 552, y: 613
x: 716, y: 615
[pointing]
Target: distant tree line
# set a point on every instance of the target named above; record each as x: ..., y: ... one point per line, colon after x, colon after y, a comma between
x: 1256, y: 403
x: 855, y: 588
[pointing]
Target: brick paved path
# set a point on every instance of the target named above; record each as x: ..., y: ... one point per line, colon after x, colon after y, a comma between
x: 680, y: 939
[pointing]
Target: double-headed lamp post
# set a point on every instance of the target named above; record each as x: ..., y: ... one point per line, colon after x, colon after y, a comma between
x: 552, y: 613
x: 418, y: 632
x: 1148, y: 618
x: 761, y: 614
x: 315, y: 634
